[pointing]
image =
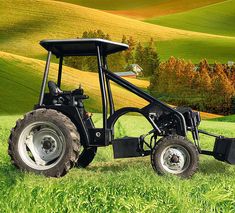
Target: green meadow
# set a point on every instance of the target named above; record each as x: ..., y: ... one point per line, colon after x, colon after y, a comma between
x: 116, y: 5
x: 24, y: 25
x: 213, y: 49
x: 215, y: 19
x: 124, y: 185
x: 108, y: 185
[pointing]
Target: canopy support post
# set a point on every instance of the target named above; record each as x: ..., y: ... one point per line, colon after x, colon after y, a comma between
x: 46, y: 72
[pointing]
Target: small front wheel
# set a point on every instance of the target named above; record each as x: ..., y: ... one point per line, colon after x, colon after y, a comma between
x: 175, y: 155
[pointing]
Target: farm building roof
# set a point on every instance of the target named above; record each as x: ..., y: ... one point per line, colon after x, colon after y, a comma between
x: 82, y: 47
x: 136, y: 65
x: 123, y: 74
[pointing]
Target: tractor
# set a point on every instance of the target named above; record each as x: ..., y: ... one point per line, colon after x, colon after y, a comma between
x: 59, y: 132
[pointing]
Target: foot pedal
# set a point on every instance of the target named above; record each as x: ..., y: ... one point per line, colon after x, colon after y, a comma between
x: 126, y: 147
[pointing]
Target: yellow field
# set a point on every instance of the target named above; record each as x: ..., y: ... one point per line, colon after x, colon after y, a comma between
x: 164, y: 8
x: 25, y: 23
x: 72, y: 78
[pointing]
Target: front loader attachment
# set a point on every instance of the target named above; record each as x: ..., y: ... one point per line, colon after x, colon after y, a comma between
x: 224, y: 150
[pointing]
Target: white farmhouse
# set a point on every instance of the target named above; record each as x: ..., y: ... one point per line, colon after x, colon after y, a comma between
x: 136, y: 68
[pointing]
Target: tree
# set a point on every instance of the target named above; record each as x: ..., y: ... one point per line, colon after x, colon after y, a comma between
x: 147, y: 58
x: 223, y: 90
x: 88, y: 63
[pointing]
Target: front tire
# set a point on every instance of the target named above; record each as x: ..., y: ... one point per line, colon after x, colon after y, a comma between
x: 45, y: 142
x: 175, y: 155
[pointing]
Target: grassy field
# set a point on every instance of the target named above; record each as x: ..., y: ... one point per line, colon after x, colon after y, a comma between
x: 21, y: 80
x: 108, y: 185
x: 214, y: 50
x: 215, y: 19
x: 142, y: 9
x: 24, y: 25
x: 126, y: 185
x: 20, y: 33
x: 117, y: 5
x: 230, y: 118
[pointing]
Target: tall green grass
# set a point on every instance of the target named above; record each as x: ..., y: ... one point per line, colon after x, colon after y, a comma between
x: 125, y: 185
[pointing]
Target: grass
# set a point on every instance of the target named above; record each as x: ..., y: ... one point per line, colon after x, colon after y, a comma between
x: 107, y: 185
x: 21, y: 33
x: 230, y: 118
x: 125, y: 185
x: 21, y: 77
x: 214, y: 19
x: 142, y: 9
x: 214, y: 50
x: 117, y: 5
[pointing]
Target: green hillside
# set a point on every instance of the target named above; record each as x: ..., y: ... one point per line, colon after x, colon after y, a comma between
x: 115, y: 5
x: 21, y: 78
x: 229, y: 118
x: 216, y: 19
x: 142, y: 9
x: 24, y: 25
x: 213, y: 49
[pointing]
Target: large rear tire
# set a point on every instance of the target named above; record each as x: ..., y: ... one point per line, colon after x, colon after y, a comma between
x: 45, y: 142
x: 175, y: 155
x: 86, y: 157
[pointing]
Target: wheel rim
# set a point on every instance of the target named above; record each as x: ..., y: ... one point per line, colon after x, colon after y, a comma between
x: 175, y: 159
x: 41, y: 145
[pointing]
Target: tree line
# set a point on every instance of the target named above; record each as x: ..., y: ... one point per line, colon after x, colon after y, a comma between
x: 176, y: 81
x: 203, y: 87
x: 144, y: 55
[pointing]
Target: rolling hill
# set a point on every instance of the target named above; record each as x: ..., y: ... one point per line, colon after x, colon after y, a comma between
x: 115, y: 5
x: 21, y: 77
x: 216, y: 19
x: 27, y: 22
x: 21, y: 80
x: 142, y: 9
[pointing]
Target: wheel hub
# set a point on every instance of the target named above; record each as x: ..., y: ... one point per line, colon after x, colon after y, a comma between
x: 174, y: 159
x: 48, y: 144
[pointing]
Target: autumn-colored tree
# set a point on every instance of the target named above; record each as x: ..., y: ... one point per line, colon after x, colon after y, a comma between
x: 223, y: 90
x: 203, y: 87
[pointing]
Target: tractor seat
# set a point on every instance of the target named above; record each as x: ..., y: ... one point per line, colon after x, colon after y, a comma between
x: 54, y: 89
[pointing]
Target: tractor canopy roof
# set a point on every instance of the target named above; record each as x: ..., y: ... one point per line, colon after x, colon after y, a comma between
x: 82, y: 47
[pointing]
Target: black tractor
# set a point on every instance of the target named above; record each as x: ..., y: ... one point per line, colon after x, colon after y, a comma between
x: 59, y: 133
